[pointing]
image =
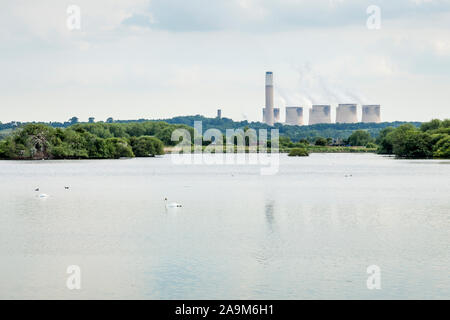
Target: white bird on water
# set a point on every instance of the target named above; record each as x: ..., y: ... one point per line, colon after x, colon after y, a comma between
x: 43, y: 196
x: 172, y: 204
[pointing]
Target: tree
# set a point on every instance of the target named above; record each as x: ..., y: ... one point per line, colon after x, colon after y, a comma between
x: 73, y: 120
x: 320, y: 141
x: 432, y: 125
x: 442, y: 148
x: 359, y: 138
x: 414, y: 145
x: 146, y: 146
x: 385, y: 145
x: 121, y: 148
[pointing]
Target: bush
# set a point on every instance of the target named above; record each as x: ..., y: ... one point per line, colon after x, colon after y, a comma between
x: 298, y: 152
x: 442, y: 148
x: 320, y: 141
x: 359, y: 138
x: 147, y: 146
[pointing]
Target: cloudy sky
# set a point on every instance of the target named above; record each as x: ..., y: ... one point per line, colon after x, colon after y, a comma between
x: 160, y: 58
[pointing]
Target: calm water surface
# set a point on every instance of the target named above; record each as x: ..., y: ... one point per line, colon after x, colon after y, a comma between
x: 307, y: 232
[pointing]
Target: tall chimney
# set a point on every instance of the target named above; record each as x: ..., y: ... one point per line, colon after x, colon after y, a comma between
x: 269, y: 99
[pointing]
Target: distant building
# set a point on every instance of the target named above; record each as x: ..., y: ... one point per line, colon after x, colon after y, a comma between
x: 219, y: 113
x: 347, y: 113
x: 269, y: 115
x: 320, y: 114
x: 275, y: 115
x: 371, y: 113
x: 294, y: 116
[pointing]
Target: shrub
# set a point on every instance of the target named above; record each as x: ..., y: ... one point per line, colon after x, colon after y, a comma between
x: 298, y: 152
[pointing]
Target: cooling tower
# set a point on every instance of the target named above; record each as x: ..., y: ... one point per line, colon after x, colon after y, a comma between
x: 320, y: 114
x: 269, y: 119
x: 294, y: 116
x: 276, y: 115
x: 371, y: 113
x: 347, y: 113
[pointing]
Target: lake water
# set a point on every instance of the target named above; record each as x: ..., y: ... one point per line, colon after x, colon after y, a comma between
x: 308, y: 232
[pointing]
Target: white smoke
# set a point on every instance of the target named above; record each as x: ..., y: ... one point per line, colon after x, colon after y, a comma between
x: 315, y: 88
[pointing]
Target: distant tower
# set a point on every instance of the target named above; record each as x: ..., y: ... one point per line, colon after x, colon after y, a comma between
x: 371, y: 113
x: 347, y: 113
x: 294, y: 116
x: 320, y: 114
x: 269, y: 112
x: 219, y: 113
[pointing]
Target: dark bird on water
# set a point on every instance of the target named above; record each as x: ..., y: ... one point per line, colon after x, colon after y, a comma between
x: 37, y: 189
x: 67, y: 188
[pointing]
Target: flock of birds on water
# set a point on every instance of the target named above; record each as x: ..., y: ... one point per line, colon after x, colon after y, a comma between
x: 167, y: 204
x: 44, y: 195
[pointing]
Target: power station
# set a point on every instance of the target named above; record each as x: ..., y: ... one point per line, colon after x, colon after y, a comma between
x: 320, y: 114
x: 371, y: 113
x: 268, y: 112
x: 294, y: 116
x: 345, y: 113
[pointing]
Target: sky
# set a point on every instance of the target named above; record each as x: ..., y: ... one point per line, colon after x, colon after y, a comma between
x: 157, y: 59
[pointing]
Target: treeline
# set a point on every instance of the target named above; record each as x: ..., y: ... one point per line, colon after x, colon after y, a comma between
x: 87, y: 141
x: 431, y: 140
x: 335, y: 131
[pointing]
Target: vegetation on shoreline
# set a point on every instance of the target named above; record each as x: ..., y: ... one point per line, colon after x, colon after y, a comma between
x: 90, y: 141
x: 335, y: 131
x: 431, y: 140
x: 298, y: 152
x: 143, y: 139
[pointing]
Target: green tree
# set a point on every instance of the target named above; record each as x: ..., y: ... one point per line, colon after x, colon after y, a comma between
x: 359, y: 138
x: 146, y: 146
x: 320, y: 141
x: 413, y: 144
x: 442, y: 148
x: 432, y: 125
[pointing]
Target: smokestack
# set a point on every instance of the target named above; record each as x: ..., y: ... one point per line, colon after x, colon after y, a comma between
x: 320, y: 114
x: 347, y: 113
x: 269, y: 119
x: 219, y: 113
x: 294, y: 116
x: 371, y: 113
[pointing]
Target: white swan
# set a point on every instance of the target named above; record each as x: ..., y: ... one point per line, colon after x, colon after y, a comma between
x: 172, y: 204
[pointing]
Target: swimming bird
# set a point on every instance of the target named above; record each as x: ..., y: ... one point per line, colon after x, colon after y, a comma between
x: 67, y: 188
x: 43, y: 196
x: 37, y: 189
x: 172, y: 204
